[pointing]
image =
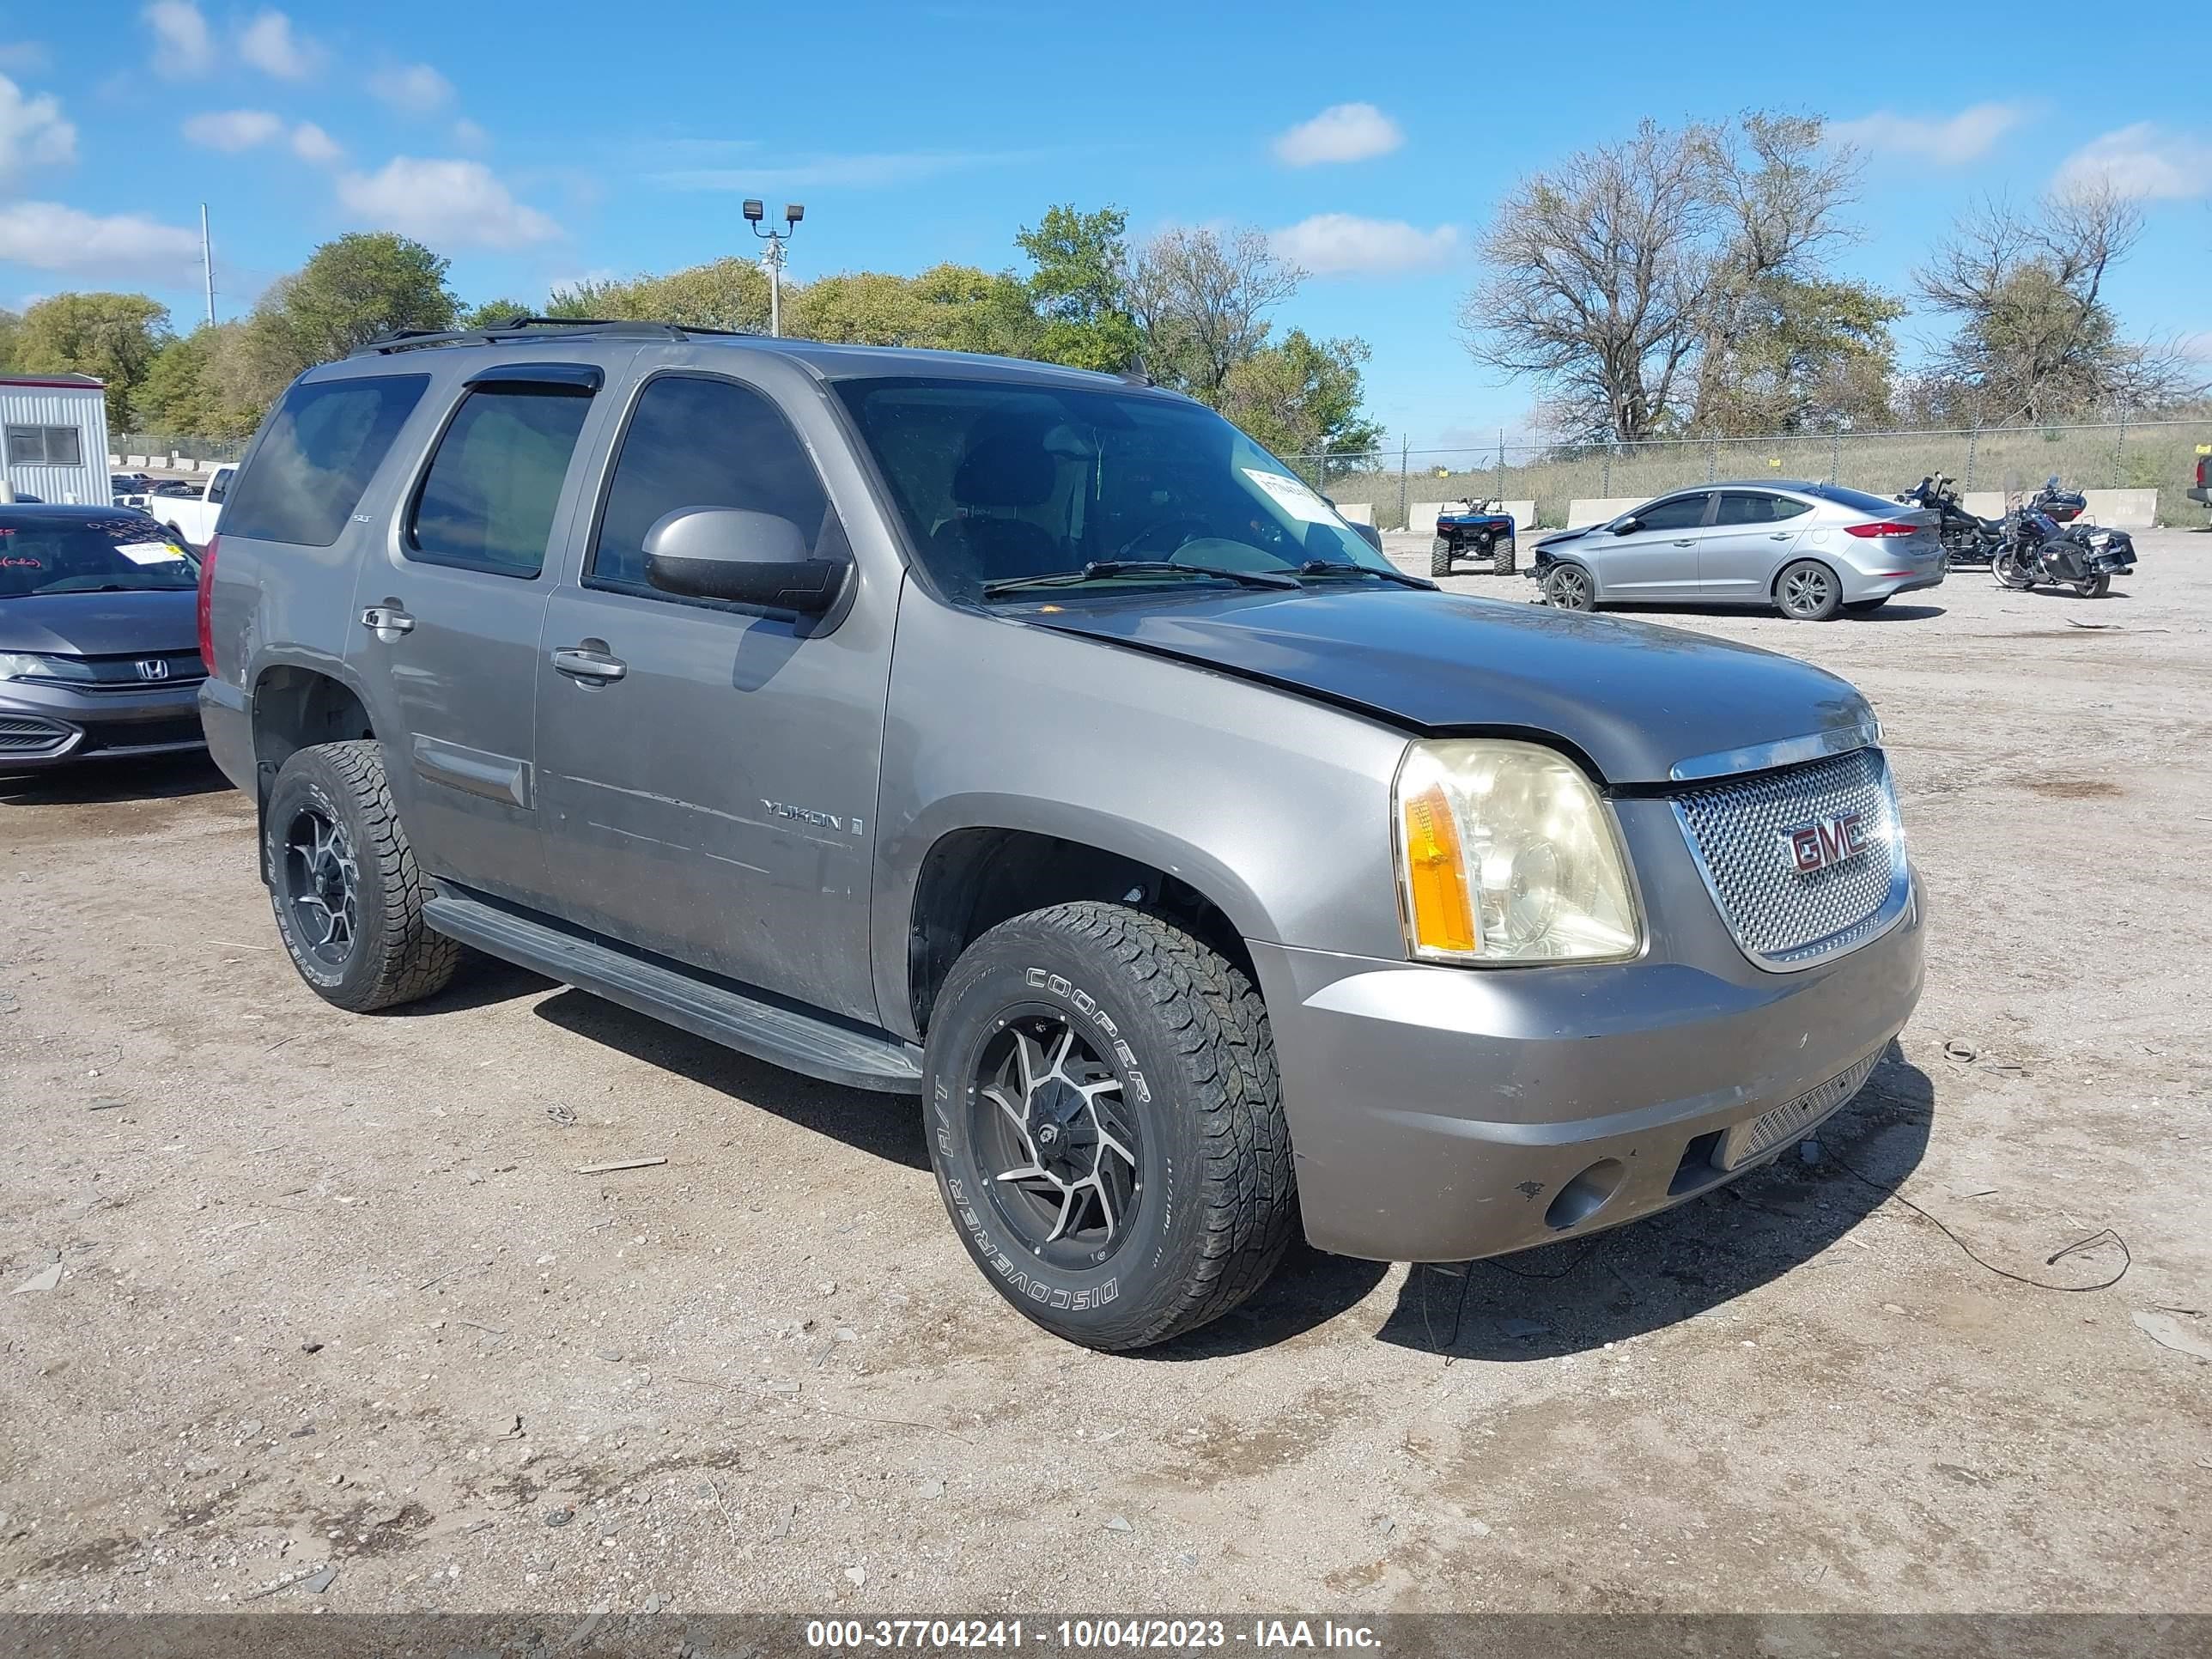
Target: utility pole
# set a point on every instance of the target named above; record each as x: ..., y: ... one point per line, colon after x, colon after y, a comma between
x: 1405, y: 456
x: 207, y: 262
x: 772, y: 256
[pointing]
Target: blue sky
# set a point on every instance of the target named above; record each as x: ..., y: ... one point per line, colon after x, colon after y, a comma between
x: 541, y: 142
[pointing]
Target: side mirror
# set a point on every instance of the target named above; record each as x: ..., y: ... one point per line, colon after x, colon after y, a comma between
x: 743, y: 557
x: 1623, y: 527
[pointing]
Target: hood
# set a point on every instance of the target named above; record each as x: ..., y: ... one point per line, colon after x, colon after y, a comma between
x: 1633, y: 698
x: 100, y: 624
x: 1561, y: 537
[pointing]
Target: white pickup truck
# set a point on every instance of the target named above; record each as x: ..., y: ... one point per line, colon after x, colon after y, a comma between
x: 190, y: 516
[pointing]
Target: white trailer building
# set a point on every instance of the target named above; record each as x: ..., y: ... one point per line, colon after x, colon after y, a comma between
x: 55, y: 430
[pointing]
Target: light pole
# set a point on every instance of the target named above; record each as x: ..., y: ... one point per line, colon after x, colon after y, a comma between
x: 772, y: 255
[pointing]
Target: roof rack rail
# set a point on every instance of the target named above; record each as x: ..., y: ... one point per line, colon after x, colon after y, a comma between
x: 412, y: 339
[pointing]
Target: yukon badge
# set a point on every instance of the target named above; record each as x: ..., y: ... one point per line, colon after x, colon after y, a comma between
x: 1817, y: 846
x: 820, y: 820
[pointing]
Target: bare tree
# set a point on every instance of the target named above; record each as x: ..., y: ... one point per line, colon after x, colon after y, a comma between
x: 1600, y: 278
x: 1201, y: 298
x: 2036, y: 338
x: 1628, y: 280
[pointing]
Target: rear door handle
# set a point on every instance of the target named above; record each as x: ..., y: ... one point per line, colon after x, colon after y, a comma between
x: 388, y: 621
x: 1782, y: 536
x: 578, y: 664
x: 1688, y: 541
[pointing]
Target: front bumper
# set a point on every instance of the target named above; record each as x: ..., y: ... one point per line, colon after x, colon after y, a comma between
x: 43, y: 726
x: 1442, y: 1113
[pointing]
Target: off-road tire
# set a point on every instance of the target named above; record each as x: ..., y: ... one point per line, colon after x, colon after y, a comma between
x: 1186, y: 1035
x: 395, y: 957
x: 1440, y: 556
x: 1502, y: 557
x: 1826, y: 609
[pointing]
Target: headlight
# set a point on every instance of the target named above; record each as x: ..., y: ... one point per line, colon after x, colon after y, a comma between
x: 23, y: 666
x: 1506, y: 854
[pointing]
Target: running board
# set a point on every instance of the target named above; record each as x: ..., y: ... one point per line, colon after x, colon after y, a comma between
x: 800, y: 1043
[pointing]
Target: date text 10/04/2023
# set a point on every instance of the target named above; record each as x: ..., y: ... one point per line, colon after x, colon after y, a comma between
x: 1084, y: 1635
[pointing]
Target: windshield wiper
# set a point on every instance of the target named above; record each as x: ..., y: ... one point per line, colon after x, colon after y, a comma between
x: 1098, y: 568
x: 1349, y: 567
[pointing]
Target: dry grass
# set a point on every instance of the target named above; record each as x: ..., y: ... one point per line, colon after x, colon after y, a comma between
x: 2161, y: 457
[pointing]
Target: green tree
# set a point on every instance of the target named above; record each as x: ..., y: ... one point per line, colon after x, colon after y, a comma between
x: 10, y: 326
x: 729, y: 293
x: 1805, y: 357
x: 363, y: 285
x: 492, y: 314
x: 948, y: 308
x: 1303, y: 397
x: 111, y: 337
x: 188, y: 389
x: 1080, y: 288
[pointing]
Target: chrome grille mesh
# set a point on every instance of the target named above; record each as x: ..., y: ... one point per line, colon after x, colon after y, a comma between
x: 1736, y: 827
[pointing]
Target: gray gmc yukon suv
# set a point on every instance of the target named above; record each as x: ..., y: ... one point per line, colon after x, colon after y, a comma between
x: 1029, y: 741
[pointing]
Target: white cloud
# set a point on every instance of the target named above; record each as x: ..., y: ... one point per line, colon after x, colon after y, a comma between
x: 2141, y: 160
x: 412, y: 89
x: 32, y: 133
x: 269, y: 43
x: 1342, y: 132
x: 1949, y: 141
x: 233, y: 130
x: 124, y: 246
x: 447, y: 203
x: 1344, y: 244
x: 182, y: 44
x: 469, y: 136
x: 24, y: 55
x: 311, y: 143
x: 858, y: 172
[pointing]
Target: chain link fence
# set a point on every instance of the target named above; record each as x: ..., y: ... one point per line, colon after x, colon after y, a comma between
x: 2152, y: 455
x: 164, y: 450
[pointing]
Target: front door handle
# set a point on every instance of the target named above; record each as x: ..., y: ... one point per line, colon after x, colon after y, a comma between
x: 388, y: 622
x: 1688, y: 541
x: 578, y: 663
x: 1782, y: 536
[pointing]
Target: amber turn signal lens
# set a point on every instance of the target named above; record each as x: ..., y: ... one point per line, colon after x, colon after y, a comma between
x: 1436, y: 876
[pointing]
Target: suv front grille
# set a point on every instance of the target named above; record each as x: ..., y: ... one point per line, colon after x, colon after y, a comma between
x: 1738, y: 829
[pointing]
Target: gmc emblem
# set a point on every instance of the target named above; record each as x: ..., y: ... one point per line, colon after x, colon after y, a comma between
x: 1817, y: 846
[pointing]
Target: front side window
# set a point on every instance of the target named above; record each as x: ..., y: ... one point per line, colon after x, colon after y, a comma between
x: 698, y: 442
x: 1000, y: 483
x: 1749, y: 506
x: 218, y: 486
x: 316, y: 457
x: 487, y: 501
x: 1680, y: 513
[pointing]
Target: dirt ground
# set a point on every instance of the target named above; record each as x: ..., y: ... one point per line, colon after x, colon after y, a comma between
x: 331, y: 1293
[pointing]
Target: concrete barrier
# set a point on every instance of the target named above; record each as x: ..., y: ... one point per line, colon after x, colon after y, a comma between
x: 1357, y: 512
x: 2123, y: 509
x: 1596, y: 509
x: 136, y: 463
x: 1984, y: 503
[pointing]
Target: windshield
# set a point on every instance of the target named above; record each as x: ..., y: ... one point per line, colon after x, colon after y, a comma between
x: 998, y: 482
x: 90, y: 556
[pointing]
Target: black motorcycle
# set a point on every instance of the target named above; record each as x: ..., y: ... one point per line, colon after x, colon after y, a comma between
x: 1970, y: 539
x: 2037, y: 550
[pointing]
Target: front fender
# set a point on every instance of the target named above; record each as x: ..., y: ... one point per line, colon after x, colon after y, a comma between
x: 1275, y: 807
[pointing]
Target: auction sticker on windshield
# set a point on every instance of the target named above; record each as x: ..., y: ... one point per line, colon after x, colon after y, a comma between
x: 150, y: 552
x: 1293, y: 497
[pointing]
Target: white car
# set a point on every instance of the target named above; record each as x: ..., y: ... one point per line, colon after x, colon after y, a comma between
x: 192, y: 518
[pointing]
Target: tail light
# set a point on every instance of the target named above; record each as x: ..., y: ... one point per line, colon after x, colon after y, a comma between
x: 2200, y: 473
x: 1887, y: 527
x: 205, y: 608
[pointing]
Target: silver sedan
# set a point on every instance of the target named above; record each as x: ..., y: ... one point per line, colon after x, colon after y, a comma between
x: 1810, y: 550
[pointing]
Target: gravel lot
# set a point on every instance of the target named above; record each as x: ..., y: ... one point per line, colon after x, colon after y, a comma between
x: 330, y: 1292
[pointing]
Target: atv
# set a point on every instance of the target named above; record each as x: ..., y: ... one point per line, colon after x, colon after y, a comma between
x: 1480, y: 529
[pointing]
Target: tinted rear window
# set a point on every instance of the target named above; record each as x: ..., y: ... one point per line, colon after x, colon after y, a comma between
x: 323, y: 445
x: 487, y: 503
x: 1857, y: 500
